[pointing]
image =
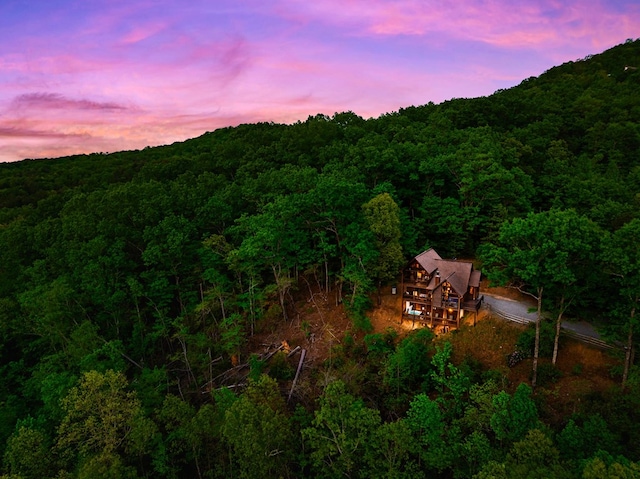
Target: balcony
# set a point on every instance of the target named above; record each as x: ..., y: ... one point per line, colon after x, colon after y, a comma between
x: 472, y: 304
x: 446, y: 304
x: 413, y: 277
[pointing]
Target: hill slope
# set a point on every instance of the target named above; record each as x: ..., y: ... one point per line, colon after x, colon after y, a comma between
x: 164, y: 264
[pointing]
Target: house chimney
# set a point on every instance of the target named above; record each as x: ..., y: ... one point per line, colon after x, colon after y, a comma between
x: 437, y: 277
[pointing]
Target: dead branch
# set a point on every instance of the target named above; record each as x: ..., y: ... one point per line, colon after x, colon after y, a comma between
x: 293, y: 351
x: 295, y: 379
x: 519, y: 288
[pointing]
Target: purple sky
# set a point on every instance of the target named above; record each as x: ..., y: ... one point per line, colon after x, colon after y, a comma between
x: 82, y: 76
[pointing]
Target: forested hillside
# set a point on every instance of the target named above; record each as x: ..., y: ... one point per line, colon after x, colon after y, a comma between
x: 131, y: 282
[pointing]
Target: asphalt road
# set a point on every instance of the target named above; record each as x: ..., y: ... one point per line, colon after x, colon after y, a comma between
x: 527, y: 311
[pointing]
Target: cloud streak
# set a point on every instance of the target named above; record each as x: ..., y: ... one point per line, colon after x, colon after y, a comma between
x: 495, y: 22
x: 16, y: 132
x: 54, y: 101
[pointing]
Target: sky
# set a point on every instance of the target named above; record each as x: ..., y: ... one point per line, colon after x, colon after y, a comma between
x: 84, y: 76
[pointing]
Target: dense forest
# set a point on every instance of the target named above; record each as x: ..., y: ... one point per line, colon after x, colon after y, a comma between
x: 132, y: 283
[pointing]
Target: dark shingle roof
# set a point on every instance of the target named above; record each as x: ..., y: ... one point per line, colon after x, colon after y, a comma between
x: 459, y: 274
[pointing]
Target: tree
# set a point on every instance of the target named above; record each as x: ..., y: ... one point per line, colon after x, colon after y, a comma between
x: 514, y: 415
x: 103, y: 419
x: 580, y: 239
x: 537, y: 253
x: 171, y: 251
x: 407, y: 367
x: 473, y: 452
x: 105, y: 465
x: 360, y: 258
x: 341, y: 433
x: 332, y: 217
x: 448, y: 379
x: 50, y: 311
x: 258, y: 431
x: 383, y: 216
x: 28, y: 454
x: 191, y: 439
x: 580, y: 442
x: 533, y: 457
x: 427, y: 424
x: 480, y: 408
x: 273, y: 240
x: 393, y: 453
x: 610, y: 468
x: 622, y: 256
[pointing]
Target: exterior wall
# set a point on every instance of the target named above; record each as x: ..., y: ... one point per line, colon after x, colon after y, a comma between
x: 439, y: 305
x: 432, y: 300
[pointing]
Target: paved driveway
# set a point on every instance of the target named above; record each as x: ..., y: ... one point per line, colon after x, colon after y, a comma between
x: 526, y: 310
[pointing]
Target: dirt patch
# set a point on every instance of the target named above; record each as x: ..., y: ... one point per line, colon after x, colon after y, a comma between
x: 511, y: 293
x: 387, y: 314
x: 489, y: 342
x: 582, y: 370
x: 315, y: 324
x: 318, y: 324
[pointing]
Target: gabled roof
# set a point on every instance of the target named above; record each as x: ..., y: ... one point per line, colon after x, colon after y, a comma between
x: 459, y: 274
x: 427, y: 258
x: 475, y: 278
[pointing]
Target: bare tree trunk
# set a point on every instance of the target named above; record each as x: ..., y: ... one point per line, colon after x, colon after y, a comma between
x: 313, y: 299
x: 182, y: 307
x: 558, y: 326
x: 536, y: 348
x: 195, y: 455
x: 295, y: 379
x: 186, y: 359
x: 283, y: 285
x: 629, y: 348
x: 201, y: 296
x: 315, y: 275
x: 210, y: 365
x: 224, y: 316
x: 326, y: 277
x: 251, y: 305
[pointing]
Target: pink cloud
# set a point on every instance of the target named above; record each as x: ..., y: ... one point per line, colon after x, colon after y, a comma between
x: 17, y: 132
x: 49, y: 101
x: 139, y: 33
x: 37, y: 139
x: 135, y: 73
x: 495, y: 22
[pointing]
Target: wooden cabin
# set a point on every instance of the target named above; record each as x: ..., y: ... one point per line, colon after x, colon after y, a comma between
x: 438, y: 292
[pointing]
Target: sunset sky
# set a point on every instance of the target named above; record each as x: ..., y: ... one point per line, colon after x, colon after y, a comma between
x: 82, y: 76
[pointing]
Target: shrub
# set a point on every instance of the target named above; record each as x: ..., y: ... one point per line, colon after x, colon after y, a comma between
x: 279, y: 367
x: 256, y: 367
x: 499, y: 376
x: 380, y: 344
x: 547, y: 373
x: 516, y: 357
x: 527, y: 339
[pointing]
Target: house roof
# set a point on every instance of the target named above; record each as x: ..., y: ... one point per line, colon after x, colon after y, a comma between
x: 474, y: 280
x: 460, y: 274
